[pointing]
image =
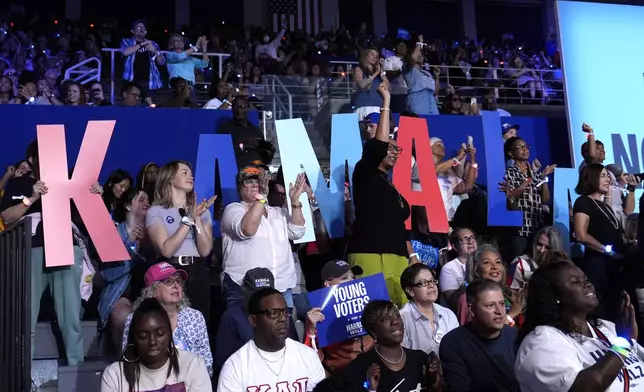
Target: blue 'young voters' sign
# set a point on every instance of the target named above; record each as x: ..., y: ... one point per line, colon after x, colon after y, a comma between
x: 342, y: 306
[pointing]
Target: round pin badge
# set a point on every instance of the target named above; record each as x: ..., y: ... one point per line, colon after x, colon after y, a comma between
x: 438, y: 336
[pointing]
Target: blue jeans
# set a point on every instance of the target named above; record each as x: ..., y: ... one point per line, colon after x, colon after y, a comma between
x: 234, y: 294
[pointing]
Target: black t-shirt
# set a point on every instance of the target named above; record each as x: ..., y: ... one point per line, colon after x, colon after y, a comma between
x: 380, y: 219
x: 142, y: 65
x: 472, y: 363
x: 601, y: 224
x: 241, y: 136
x: 406, y: 379
x: 16, y: 188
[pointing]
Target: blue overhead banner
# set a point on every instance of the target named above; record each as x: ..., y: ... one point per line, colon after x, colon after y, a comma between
x: 342, y: 306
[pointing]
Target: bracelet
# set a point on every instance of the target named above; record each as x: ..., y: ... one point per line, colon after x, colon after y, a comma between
x: 413, y: 255
x: 475, y: 165
x: 630, y: 188
x: 299, y: 205
x: 385, y: 110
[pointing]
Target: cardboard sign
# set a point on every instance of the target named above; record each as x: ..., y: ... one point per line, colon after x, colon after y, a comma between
x: 56, y: 214
x: 342, y: 306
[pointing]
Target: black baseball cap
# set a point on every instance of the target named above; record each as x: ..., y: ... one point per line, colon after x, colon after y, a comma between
x: 337, y: 268
x: 257, y: 278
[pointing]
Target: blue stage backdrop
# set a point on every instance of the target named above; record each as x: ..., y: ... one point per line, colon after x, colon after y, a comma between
x: 159, y: 135
x: 144, y: 135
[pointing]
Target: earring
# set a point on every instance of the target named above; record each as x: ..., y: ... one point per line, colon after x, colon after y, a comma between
x: 125, y: 358
x: 558, y: 302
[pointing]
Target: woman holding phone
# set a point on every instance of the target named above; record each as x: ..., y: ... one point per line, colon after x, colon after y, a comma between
x: 180, y: 228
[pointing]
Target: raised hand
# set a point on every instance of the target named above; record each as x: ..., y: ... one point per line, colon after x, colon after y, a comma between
x: 586, y: 128
x: 96, y: 189
x: 373, y: 376
x: 10, y: 172
x: 198, y: 209
x: 39, y: 189
x: 549, y: 170
x: 294, y: 191
x: 626, y: 324
x: 314, y: 316
x: 264, y: 179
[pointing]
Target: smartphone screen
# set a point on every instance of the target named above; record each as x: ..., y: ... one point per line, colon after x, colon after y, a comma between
x: 470, y: 141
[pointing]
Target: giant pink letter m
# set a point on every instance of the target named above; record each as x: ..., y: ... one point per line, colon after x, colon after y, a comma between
x: 56, y: 213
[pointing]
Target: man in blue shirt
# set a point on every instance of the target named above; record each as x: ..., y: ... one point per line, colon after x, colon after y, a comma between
x: 142, y: 57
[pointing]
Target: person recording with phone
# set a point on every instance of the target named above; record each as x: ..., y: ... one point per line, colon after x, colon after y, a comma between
x: 422, y: 88
x: 96, y: 97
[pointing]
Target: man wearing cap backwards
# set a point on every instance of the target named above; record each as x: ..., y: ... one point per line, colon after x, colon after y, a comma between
x: 142, y: 56
x: 336, y: 356
x: 255, y: 234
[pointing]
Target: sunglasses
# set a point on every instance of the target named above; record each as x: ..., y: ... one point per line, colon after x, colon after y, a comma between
x: 274, y: 314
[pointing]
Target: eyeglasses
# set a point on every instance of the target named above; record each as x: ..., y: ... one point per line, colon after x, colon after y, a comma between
x: 251, y: 182
x: 522, y: 147
x: 274, y: 314
x: 394, y: 148
x: 171, y: 281
x: 466, y: 239
x: 426, y: 283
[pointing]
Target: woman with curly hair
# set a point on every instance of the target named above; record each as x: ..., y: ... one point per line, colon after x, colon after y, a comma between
x: 152, y: 361
x: 564, y: 347
x: 188, y: 326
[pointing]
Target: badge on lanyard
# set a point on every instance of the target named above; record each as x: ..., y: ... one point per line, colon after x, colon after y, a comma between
x: 438, y: 336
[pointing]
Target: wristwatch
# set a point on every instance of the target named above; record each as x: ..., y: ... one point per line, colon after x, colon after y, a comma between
x: 187, y: 221
x: 260, y: 198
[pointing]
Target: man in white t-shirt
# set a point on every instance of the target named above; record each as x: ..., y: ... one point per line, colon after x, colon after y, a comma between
x: 271, y: 362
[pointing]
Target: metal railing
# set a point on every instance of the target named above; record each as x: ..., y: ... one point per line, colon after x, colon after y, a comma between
x: 82, y: 74
x: 471, y: 81
x: 15, y: 307
x: 113, y: 51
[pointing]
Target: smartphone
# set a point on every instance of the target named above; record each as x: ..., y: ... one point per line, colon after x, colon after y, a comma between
x: 470, y: 141
x: 473, y: 101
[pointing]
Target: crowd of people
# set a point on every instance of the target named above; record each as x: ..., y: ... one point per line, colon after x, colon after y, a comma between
x: 477, y: 309
x: 35, y: 55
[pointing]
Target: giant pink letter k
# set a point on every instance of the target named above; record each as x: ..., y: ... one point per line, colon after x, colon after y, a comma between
x: 56, y: 214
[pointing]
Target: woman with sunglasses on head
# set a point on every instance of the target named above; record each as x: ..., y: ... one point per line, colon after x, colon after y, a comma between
x: 151, y: 361
x: 565, y: 347
x: 380, y: 242
x: 180, y: 228
x: 527, y: 191
x: 187, y: 325
x: 389, y: 366
x: 426, y: 322
x: 547, y: 239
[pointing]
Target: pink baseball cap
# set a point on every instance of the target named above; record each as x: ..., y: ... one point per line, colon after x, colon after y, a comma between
x: 162, y: 271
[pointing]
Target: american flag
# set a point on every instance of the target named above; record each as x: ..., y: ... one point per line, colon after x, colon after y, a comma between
x: 297, y: 15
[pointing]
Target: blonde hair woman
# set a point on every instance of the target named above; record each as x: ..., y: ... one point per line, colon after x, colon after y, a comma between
x: 189, y: 331
x: 180, y: 229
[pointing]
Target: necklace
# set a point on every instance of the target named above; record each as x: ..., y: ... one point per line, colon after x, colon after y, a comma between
x: 384, y: 176
x: 402, y: 355
x: 612, y: 218
x: 266, y: 361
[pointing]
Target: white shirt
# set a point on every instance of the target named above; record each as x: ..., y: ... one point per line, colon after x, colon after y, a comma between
x: 549, y: 360
x: 215, y: 104
x: 420, y: 334
x: 192, y: 377
x: 452, y: 275
x: 250, y: 369
x: 522, y: 272
x: 447, y: 182
x: 268, y: 248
